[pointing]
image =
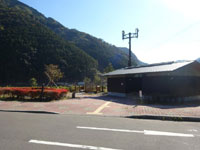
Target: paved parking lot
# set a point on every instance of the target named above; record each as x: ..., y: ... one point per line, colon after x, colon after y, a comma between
x: 102, y: 105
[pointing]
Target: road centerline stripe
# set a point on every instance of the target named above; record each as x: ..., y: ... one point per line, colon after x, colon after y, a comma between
x: 70, y: 145
x: 99, y: 109
x: 145, y: 132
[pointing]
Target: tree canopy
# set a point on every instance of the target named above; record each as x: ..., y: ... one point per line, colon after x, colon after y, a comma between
x: 109, y: 68
x: 29, y: 41
x: 53, y: 72
x: 27, y: 45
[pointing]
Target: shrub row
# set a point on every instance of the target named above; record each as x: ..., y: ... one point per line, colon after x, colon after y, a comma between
x: 33, y: 93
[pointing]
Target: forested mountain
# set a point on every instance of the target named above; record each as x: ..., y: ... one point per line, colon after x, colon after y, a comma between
x: 26, y: 46
x: 97, y: 48
x: 29, y: 40
x: 100, y: 50
x: 133, y: 56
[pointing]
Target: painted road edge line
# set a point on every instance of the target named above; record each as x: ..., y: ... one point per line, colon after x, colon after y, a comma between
x: 70, y: 145
x: 145, y: 132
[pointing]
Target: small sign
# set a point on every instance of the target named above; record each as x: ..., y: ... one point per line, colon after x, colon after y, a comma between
x: 140, y: 93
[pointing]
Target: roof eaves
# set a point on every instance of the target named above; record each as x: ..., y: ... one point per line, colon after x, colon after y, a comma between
x: 153, y: 68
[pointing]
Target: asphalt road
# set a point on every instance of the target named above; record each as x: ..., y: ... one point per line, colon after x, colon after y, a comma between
x: 28, y: 131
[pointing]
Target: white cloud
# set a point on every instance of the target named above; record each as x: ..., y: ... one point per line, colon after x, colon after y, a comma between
x: 188, y: 8
x: 171, y: 52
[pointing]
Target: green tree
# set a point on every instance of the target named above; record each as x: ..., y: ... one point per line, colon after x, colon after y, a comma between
x: 27, y: 44
x: 87, y: 80
x: 88, y: 84
x: 53, y: 73
x: 97, y: 80
x: 109, y: 68
x: 33, y: 82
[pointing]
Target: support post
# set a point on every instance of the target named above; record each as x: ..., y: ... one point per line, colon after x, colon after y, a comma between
x: 129, y: 36
x: 129, y: 60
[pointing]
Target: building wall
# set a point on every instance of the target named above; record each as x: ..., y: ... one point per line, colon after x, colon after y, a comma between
x: 192, y: 69
x: 171, y: 85
x: 156, y: 85
x: 116, y: 85
x: 133, y: 84
x: 125, y: 84
x: 117, y: 94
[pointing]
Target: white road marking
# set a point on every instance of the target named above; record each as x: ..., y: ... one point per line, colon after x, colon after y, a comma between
x: 149, y: 132
x: 98, y: 110
x: 193, y: 130
x: 108, y: 129
x: 70, y: 145
x: 145, y: 132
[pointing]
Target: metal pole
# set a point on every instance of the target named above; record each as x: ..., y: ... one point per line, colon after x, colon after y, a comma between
x: 129, y: 36
x: 129, y: 61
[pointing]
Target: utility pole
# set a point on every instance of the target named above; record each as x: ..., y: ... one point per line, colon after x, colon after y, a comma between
x: 129, y: 36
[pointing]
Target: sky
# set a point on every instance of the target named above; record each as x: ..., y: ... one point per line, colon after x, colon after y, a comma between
x: 169, y: 30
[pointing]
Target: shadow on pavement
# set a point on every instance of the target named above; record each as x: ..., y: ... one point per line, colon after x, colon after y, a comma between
x: 135, y: 102
x: 173, y: 106
x: 164, y: 118
x: 35, y: 112
x: 120, y: 100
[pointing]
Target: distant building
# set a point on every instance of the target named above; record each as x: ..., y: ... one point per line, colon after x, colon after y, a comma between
x: 171, y: 79
x: 81, y: 83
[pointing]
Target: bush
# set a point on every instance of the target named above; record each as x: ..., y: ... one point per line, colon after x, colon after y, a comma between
x: 33, y: 93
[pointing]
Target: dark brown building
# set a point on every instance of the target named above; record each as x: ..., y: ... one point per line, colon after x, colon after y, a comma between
x: 171, y: 79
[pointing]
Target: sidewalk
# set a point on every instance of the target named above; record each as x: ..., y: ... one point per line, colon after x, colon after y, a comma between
x: 105, y: 106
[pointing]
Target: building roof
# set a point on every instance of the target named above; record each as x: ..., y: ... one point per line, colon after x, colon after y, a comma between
x: 151, y: 68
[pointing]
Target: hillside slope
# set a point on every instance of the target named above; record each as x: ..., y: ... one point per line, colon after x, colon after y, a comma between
x: 100, y: 50
x: 27, y: 45
x: 133, y: 56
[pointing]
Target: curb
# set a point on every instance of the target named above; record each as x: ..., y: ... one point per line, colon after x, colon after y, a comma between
x: 150, y: 117
x: 27, y: 111
x: 167, y: 118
